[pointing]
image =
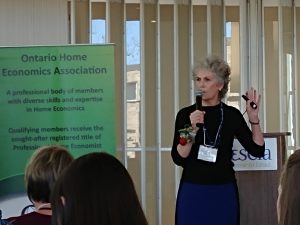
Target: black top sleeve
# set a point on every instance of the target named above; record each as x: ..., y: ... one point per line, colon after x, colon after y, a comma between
x: 182, y: 120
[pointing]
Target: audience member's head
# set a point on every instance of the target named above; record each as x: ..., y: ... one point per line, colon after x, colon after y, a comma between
x: 288, y: 203
x: 43, y: 169
x: 96, y: 190
x: 45, y: 166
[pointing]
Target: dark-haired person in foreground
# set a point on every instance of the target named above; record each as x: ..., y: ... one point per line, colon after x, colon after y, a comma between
x: 96, y: 190
x: 43, y: 169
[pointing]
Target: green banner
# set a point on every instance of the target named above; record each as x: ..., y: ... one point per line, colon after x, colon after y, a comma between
x: 54, y: 95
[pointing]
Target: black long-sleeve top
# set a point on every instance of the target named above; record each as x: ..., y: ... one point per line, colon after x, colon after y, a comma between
x: 234, y: 126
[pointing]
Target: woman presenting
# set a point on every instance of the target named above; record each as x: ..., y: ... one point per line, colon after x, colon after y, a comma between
x: 202, y: 146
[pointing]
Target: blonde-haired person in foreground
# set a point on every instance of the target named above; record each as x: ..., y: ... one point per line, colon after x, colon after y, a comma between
x: 288, y: 203
x: 96, y: 190
x: 43, y: 169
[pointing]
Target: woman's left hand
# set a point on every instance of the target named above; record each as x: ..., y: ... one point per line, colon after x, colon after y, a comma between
x: 255, y: 98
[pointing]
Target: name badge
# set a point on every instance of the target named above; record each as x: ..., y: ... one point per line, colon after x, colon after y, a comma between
x: 207, y: 153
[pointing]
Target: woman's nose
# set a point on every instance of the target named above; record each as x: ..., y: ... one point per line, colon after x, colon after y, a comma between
x: 201, y: 84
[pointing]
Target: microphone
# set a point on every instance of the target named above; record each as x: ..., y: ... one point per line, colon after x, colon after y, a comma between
x: 199, y: 103
x: 252, y: 104
x: 199, y: 100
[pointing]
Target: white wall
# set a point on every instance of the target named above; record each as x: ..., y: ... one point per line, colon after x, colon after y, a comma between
x: 33, y: 22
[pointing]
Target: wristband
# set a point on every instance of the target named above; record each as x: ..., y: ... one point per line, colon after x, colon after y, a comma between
x: 253, y: 123
x: 186, y: 135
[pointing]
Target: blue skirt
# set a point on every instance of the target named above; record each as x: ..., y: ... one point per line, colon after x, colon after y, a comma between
x: 199, y: 204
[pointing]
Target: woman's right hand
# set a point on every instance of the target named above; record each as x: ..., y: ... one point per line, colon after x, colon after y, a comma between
x: 197, y: 117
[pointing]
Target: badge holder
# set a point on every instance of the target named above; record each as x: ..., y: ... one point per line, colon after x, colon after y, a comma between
x: 207, y: 152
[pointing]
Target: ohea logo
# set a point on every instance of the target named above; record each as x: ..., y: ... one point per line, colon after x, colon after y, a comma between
x: 242, y: 155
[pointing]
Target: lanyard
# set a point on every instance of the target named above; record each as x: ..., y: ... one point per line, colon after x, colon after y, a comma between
x: 217, y: 138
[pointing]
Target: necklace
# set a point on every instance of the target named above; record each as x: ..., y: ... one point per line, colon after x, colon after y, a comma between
x: 216, y: 142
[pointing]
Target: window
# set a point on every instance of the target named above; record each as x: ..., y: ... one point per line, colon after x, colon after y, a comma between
x: 131, y: 91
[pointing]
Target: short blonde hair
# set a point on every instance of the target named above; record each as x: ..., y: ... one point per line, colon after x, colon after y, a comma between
x: 43, y: 169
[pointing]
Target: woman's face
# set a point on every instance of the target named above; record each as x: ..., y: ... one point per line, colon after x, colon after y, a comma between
x: 207, y: 82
